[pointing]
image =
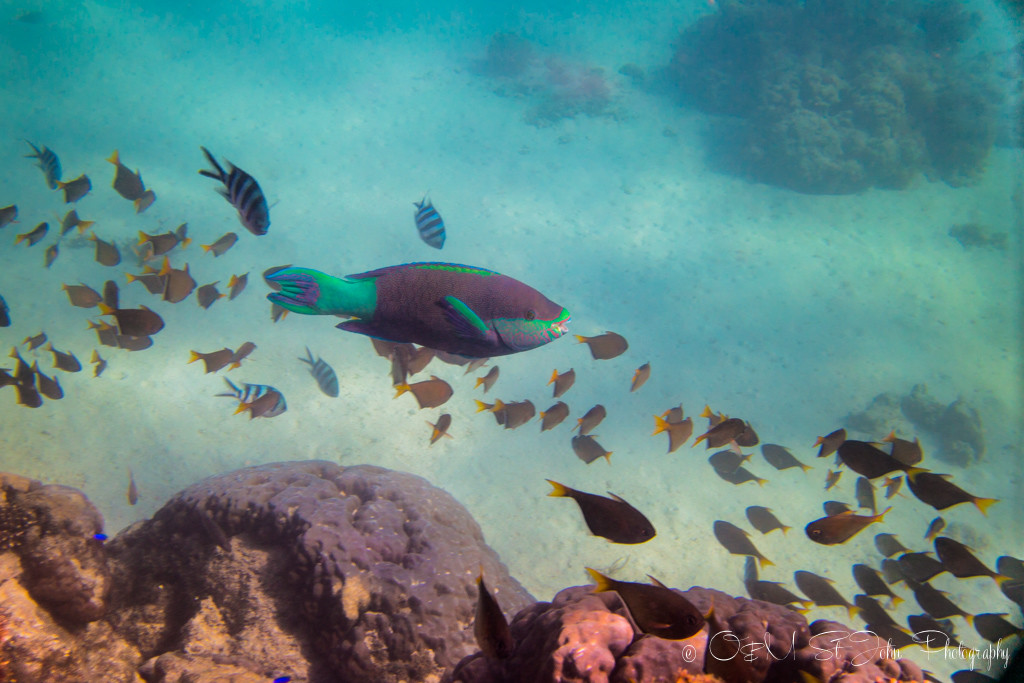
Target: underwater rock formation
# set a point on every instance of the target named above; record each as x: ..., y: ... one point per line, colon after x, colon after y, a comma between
x: 304, y: 569
x: 956, y: 426
x: 555, y: 87
x: 322, y: 573
x: 838, y: 96
x: 581, y: 636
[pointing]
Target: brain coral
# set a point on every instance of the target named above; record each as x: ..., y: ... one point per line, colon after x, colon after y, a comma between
x: 369, y: 572
x: 839, y: 96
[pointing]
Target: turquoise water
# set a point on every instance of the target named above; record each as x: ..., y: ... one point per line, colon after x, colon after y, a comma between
x: 788, y: 309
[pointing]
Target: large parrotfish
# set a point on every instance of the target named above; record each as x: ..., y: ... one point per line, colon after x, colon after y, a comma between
x: 470, y: 311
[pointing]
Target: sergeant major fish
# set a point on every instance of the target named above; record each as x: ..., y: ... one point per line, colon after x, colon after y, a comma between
x: 322, y: 373
x: 48, y: 163
x: 242, y: 192
x: 429, y: 223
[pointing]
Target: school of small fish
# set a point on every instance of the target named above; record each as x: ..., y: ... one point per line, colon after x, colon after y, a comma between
x: 482, y: 315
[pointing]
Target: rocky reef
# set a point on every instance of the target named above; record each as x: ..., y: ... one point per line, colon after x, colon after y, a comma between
x: 836, y: 96
x: 308, y: 571
x: 553, y: 86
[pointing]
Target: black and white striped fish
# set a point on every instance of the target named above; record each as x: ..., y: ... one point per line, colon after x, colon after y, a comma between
x: 429, y: 223
x: 48, y: 162
x: 323, y: 373
x: 243, y: 192
x: 261, y: 400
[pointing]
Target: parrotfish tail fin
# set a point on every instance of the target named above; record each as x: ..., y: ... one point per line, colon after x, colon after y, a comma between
x: 660, y: 425
x: 602, y: 581
x: 560, y: 490
x: 763, y: 561
x: 983, y: 504
x: 311, y: 292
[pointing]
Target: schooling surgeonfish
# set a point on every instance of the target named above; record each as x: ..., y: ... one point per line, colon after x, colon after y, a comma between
x: 553, y: 416
x: 48, y: 163
x: 678, y: 429
x: 641, y: 375
x: 243, y: 193
x: 130, y: 186
x: 465, y: 310
x: 429, y: 223
x: 429, y: 393
x: 107, y: 253
x: 221, y: 245
x: 610, y: 518
x: 236, y: 284
x: 134, y: 322
x: 33, y: 236
x: 323, y: 374
x: 588, y: 449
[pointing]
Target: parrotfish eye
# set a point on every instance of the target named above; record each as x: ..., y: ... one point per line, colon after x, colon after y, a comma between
x: 530, y: 314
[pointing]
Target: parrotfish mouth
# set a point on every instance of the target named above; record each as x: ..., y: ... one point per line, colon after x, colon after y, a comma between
x: 563, y: 326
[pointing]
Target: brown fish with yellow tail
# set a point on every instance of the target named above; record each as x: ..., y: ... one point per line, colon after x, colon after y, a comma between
x: 33, y: 236
x: 588, y: 449
x: 490, y: 628
x: 780, y: 457
x: 591, y: 419
x: 430, y: 393
x: 764, y: 520
x: 679, y: 432
x: 563, y: 382
x: 221, y: 245
x: 107, y: 253
x: 236, y: 285
x: 440, y: 428
x: 820, y: 590
x: 723, y: 433
x: 737, y: 541
x: 488, y: 380
x: 553, y: 416
x: 654, y: 608
x: 75, y: 189
x: 840, y: 528
x: 830, y: 442
x: 66, y: 361
x: 604, y: 346
x: 642, y: 374
x: 936, y: 490
x: 610, y: 518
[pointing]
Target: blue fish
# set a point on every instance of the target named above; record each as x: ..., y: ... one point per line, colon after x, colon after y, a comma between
x: 323, y: 373
x: 48, y: 162
x: 429, y: 223
x: 243, y: 192
x: 260, y: 400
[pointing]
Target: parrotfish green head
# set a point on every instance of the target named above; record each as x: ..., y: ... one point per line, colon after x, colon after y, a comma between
x: 537, y: 321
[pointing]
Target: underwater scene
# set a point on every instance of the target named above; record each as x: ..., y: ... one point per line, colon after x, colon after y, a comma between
x: 454, y: 341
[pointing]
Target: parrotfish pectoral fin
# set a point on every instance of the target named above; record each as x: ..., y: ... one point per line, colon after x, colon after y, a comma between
x: 463, y: 318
